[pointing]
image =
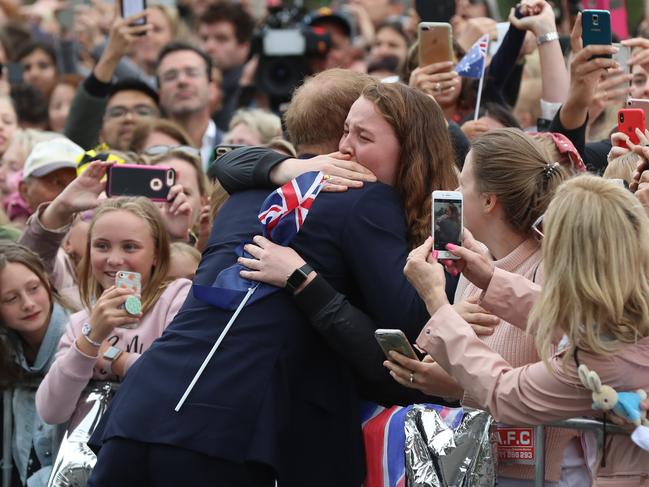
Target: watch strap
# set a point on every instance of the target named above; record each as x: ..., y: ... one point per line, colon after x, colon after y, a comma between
x: 85, y: 331
x: 112, y: 353
x: 547, y: 37
x: 298, y: 277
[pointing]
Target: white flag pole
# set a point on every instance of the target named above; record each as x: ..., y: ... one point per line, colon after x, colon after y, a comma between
x: 214, y: 348
x: 484, y: 68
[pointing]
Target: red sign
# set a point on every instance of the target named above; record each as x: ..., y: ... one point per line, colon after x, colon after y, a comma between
x: 515, y: 445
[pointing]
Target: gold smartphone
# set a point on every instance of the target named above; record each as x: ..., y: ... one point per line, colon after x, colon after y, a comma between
x: 435, y: 43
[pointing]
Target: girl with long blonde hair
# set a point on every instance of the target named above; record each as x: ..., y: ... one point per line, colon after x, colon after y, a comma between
x: 104, y: 339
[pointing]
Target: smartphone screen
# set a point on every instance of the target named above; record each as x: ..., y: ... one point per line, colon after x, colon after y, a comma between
x: 447, y: 219
x: 394, y: 340
x: 133, y: 7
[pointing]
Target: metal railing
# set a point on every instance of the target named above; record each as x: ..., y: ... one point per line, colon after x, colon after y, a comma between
x: 581, y: 424
x: 6, y: 462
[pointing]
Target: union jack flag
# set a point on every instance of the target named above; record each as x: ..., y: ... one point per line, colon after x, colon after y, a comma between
x: 472, y: 65
x: 286, y: 208
x: 282, y: 214
x: 385, y: 441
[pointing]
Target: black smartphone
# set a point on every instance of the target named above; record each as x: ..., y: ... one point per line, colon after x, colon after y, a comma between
x: 223, y: 149
x: 153, y: 182
x: 133, y: 7
x: 596, y: 28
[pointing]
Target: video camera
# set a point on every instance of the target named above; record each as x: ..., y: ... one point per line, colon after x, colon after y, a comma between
x: 285, y: 47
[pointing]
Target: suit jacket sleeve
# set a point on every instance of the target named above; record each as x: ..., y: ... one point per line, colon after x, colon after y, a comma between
x: 532, y: 394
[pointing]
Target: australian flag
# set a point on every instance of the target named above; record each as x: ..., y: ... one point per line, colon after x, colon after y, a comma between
x: 473, y: 63
x: 282, y: 214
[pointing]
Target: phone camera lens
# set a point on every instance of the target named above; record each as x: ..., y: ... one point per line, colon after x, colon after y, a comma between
x: 595, y: 19
x: 622, y: 117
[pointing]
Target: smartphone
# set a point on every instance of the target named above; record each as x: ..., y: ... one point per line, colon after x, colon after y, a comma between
x: 153, y: 182
x: 129, y: 280
x: 14, y: 73
x: 223, y: 149
x: 394, y: 340
x: 596, y: 28
x: 447, y: 221
x: 641, y: 103
x: 629, y: 119
x: 65, y: 18
x: 133, y: 7
x: 435, y: 43
x: 622, y: 57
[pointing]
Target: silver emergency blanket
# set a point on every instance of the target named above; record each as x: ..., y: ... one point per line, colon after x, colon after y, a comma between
x: 440, y: 456
x: 75, y: 460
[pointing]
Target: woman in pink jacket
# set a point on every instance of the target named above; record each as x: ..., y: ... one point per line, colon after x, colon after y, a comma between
x: 595, y: 232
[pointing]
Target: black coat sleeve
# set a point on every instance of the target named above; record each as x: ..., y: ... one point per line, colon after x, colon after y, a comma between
x: 350, y: 332
x: 247, y: 168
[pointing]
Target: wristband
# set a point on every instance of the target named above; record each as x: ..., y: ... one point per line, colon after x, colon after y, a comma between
x: 85, y: 331
x: 549, y: 37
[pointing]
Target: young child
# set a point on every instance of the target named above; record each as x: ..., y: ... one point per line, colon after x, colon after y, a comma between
x: 32, y: 320
x: 103, y: 340
x: 184, y: 261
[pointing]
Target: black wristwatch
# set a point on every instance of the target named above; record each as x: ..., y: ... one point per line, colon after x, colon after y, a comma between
x: 298, y: 277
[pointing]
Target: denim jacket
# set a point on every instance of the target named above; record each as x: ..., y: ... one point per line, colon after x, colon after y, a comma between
x: 30, y: 431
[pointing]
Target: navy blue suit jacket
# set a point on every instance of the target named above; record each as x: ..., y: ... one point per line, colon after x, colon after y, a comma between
x: 274, y: 392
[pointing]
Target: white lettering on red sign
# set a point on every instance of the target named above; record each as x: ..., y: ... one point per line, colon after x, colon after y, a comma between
x: 515, y: 445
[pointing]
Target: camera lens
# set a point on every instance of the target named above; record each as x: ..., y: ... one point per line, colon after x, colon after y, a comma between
x: 622, y: 117
x: 595, y: 19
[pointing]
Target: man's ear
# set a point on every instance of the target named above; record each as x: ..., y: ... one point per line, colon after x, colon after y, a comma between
x: 22, y: 189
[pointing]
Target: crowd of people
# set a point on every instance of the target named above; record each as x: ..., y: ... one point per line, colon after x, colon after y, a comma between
x: 552, y: 271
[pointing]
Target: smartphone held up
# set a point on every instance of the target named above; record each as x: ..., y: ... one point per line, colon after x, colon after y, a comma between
x: 596, y: 28
x: 130, y: 8
x: 153, y: 182
x: 435, y: 43
x: 447, y: 221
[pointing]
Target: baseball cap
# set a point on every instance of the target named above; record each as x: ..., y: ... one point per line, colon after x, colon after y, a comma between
x: 48, y: 156
x: 339, y: 17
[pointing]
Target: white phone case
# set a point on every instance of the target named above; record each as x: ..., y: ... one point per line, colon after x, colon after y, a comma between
x: 447, y: 221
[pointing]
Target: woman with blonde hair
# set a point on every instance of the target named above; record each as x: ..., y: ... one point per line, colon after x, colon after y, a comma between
x: 588, y: 297
x: 253, y: 127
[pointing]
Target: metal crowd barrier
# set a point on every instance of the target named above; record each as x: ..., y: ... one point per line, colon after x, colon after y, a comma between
x: 581, y: 424
x: 6, y: 462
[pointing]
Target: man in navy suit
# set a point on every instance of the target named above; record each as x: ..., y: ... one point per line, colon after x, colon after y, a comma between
x: 275, y: 401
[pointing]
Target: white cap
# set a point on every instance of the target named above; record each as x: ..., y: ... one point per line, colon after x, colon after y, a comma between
x: 51, y: 155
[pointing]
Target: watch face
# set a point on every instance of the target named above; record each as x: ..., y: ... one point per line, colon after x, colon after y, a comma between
x: 85, y: 329
x: 112, y: 353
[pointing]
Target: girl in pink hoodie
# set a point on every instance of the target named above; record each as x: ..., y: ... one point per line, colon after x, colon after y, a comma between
x: 103, y: 340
